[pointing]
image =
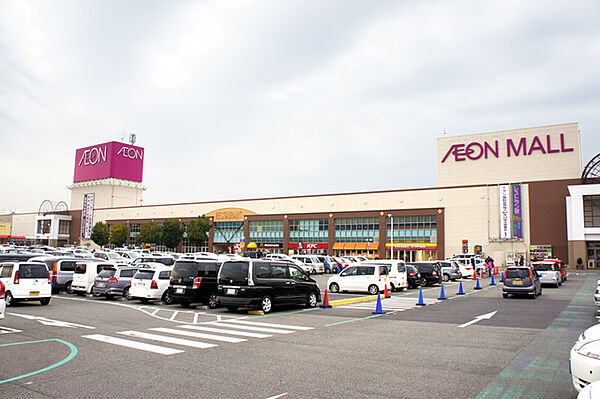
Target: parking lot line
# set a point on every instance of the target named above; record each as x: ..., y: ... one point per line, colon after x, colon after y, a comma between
x: 224, y: 331
x: 169, y: 340
x: 225, y: 323
x: 133, y: 344
x: 199, y: 335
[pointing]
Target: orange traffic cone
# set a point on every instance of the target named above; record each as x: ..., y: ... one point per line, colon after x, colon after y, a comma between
x: 474, y: 274
x: 325, y: 304
x: 386, y: 294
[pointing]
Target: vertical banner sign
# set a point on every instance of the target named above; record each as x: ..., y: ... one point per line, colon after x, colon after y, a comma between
x: 86, y: 215
x: 504, y: 191
x: 517, y: 217
x: 465, y: 246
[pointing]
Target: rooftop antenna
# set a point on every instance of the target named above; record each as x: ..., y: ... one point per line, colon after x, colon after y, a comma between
x: 124, y: 133
x: 444, y: 132
x: 132, y: 138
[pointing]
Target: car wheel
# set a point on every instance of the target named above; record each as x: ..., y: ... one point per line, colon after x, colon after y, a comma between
x: 45, y: 301
x: 68, y: 288
x: 446, y: 278
x: 212, y: 300
x: 166, y: 297
x: 373, y: 289
x: 126, y: 294
x: 334, y: 287
x: 266, y: 304
x: 8, y: 298
x: 423, y: 282
x: 311, y: 300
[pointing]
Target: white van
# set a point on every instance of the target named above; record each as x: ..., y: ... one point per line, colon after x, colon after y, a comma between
x: 85, y: 273
x: 397, y: 269
x: 360, y: 278
x: 311, y: 261
x: 26, y: 281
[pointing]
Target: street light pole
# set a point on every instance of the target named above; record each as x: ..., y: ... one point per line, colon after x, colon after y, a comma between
x: 392, y: 235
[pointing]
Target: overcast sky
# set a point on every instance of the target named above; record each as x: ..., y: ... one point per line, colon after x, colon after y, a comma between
x: 244, y: 99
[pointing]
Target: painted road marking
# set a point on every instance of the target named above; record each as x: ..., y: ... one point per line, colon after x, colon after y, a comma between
x: 394, y: 303
x: 225, y: 323
x: 260, y: 324
x: 198, y: 335
x: 486, y: 316
x: 278, y: 396
x: 8, y: 330
x: 50, y: 322
x: 163, y: 350
x: 224, y: 331
x: 169, y: 340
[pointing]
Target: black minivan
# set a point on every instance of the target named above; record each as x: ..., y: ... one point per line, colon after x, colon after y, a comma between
x: 194, y: 281
x: 431, y: 272
x: 263, y: 284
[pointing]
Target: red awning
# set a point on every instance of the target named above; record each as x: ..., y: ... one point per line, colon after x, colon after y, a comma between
x: 18, y: 237
x: 3, y: 236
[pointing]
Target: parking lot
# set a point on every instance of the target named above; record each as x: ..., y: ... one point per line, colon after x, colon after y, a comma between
x: 472, y: 345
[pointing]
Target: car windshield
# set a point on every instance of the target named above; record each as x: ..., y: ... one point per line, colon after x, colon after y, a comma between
x: 144, y: 275
x: 543, y: 267
x: 517, y: 273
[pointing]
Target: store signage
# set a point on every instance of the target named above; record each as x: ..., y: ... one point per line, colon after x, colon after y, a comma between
x: 112, y: 159
x: 307, y: 245
x: 505, y: 231
x: 87, y: 215
x: 465, y: 246
x: 510, y: 148
x: 517, y: 219
x: 268, y: 245
x: 413, y: 245
x: 229, y: 214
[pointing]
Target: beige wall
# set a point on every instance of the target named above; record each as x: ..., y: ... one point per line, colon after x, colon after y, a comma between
x: 24, y: 225
x: 537, y: 165
x: 108, y: 193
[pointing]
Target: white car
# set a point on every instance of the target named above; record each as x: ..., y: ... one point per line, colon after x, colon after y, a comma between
x: 26, y: 281
x: 151, y: 285
x: 360, y: 278
x: 286, y: 258
x: 397, y: 272
x: 2, y: 301
x: 590, y: 391
x: 585, y: 358
x: 311, y: 264
x: 85, y: 273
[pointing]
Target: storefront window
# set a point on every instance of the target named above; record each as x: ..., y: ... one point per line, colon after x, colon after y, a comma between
x: 591, y: 210
x: 357, y: 230
x: 228, y: 232
x: 315, y: 230
x: 64, y: 226
x: 413, y: 229
x: 266, y: 231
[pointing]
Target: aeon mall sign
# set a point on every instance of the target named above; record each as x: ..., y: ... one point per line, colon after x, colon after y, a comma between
x: 525, y: 146
x: 112, y: 159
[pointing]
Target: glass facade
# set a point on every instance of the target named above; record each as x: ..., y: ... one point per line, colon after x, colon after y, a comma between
x: 591, y: 210
x: 413, y: 229
x: 314, y: 230
x: 64, y: 226
x: 228, y: 232
x: 266, y: 231
x: 356, y: 229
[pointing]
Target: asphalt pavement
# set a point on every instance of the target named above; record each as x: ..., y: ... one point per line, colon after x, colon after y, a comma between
x: 92, y: 347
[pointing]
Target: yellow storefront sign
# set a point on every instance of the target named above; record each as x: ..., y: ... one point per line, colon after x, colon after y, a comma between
x: 230, y: 214
x: 5, y: 228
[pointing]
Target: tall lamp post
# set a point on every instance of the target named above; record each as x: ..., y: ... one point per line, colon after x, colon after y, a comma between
x: 392, y: 236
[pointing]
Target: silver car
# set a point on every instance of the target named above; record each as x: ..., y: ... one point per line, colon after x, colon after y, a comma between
x: 549, y: 273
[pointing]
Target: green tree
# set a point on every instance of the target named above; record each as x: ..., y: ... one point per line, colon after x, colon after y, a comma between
x: 150, y: 233
x: 118, y: 234
x: 172, y: 233
x: 100, y: 234
x: 197, y: 231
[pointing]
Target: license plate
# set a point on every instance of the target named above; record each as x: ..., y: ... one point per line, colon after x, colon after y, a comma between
x: 139, y: 285
x: 101, y: 284
x: 34, y: 293
x: 179, y: 290
x: 230, y: 291
x: 517, y: 282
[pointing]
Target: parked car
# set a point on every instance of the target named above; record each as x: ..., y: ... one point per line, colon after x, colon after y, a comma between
x: 413, y: 276
x: 360, y: 278
x: 466, y: 270
x: 151, y: 284
x: 264, y: 285
x: 165, y: 260
x: 521, y: 280
x: 111, y: 282
x: 585, y: 358
x: 26, y: 281
x: 312, y: 263
x: 16, y: 257
x: 194, y: 281
x: 397, y: 272
x: 450, y: 270
x: 431, y: 272
x: 110, y: 257
x: 85, y: 274
x: 560, y: 266
x: 548, y: 272
x: 2, y: 300
x: 597, y: 296
x: 329, y: 264
x: 61, y: 270
x: 284, y: 257
x: 341, y: 262
x: 590, y: 391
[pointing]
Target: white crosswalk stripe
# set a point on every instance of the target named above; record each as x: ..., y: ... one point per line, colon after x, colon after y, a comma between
x: 394, y: 303
x: 133, y: 344
x: 169, y: 340
x: 228, y: 331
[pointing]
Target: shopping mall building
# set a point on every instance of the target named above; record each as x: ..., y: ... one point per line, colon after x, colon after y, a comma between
x: 503, y: 193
